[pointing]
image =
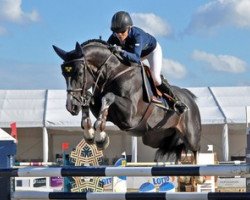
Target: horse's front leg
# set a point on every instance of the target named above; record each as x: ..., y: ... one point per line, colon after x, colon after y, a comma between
x: 101, y: 138
x: 88, y: 130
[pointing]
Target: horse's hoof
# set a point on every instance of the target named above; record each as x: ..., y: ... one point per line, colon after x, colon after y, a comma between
x: 89, y: 141
x: 89, y: 135
x: 101, y: 145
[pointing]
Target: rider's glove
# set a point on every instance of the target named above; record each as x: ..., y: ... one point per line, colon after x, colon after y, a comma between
x: 116, y: 49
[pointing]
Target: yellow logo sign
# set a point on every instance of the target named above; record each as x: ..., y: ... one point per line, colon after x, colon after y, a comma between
x: 68, y: 68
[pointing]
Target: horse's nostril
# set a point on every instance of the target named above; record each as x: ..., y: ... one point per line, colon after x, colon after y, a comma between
x: 74, y: 108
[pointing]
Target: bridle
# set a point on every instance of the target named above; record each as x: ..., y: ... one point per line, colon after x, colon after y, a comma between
x: 85, y: 96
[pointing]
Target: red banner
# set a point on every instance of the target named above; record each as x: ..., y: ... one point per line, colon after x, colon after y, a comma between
x: 13, y: 130
x: 65, y: 146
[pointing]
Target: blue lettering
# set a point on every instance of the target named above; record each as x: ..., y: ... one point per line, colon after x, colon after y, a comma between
x: 107, y: 181
x: 160, y: 180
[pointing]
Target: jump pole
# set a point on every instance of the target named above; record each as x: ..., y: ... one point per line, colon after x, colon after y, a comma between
x: 133, y: 195
x: 25, y: 164
x: 181, y: 170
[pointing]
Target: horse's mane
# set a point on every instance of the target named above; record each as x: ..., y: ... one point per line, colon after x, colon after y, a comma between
x: 99, y: 41
x: 105, y: 44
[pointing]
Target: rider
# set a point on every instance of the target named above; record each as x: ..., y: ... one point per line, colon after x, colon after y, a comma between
x: 134, y: 44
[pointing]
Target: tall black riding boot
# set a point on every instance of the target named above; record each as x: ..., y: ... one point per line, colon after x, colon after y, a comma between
x: 166, y: 88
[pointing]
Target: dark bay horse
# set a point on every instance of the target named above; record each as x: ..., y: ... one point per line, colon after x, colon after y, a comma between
x: 117, y: 96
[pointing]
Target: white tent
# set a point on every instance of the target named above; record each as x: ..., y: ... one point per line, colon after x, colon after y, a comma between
x: 5, y: 136
x: 219, y: 106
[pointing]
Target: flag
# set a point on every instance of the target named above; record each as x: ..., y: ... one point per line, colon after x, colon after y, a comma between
x: 13, y: 130
x: 65, y: 146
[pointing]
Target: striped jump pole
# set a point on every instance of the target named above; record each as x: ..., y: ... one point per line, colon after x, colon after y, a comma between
x: 182, y: 170
x: 162, y: 164
x: 25, y: 164
x: 133, y: 195
x: 148, y: 164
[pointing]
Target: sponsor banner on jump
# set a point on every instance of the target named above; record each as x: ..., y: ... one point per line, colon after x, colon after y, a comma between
x: 147, y: 184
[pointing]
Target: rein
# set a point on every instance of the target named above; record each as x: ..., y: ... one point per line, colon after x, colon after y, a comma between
x: 102, y: 66
x: 99, y: 72
x: 86, y: 97
x: 116, y: 76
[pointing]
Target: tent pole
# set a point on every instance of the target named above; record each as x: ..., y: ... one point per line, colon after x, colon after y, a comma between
x: 45, y: 145
x: 225, y: 135
x: 45, y: 132
x: 225, y: 142
x: 134, y: 149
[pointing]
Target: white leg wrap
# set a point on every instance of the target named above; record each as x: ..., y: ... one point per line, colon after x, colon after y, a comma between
x: 89, y: 134
x: 100, y: 136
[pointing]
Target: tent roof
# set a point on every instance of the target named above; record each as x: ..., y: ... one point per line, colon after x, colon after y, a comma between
x: 222, y: 104
x: 38, y: 108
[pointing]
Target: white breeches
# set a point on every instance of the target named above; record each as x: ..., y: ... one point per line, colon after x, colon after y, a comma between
x: 155, y: 63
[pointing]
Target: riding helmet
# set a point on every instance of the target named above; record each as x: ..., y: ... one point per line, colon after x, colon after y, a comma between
x: 120, y: 22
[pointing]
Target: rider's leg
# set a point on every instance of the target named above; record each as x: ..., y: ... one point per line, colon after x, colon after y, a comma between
x: 166, y: 88
x: 155, y: 62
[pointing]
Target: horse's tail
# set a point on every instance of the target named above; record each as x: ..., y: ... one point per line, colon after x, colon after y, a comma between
x: 171, y: 148
x: 190, y: 93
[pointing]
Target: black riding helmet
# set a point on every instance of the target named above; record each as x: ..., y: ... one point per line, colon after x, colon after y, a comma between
x: 120, y: 22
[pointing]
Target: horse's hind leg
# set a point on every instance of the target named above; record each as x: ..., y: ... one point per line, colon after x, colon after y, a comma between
x: 101, y: 138
x: 191, y: 133
x: 192, y: 141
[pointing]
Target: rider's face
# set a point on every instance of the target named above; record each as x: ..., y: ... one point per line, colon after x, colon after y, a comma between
x: 122, y: 35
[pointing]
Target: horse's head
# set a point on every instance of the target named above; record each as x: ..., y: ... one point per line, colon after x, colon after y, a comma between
x: 78, y: 78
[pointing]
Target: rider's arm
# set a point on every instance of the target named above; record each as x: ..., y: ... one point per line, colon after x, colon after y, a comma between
x: 135, y: 55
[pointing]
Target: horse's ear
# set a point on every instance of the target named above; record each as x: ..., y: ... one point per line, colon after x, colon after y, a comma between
x: 61, y: 53
x: 78, y: 50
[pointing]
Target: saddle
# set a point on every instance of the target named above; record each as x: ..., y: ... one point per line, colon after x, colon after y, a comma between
x: 151, y: 93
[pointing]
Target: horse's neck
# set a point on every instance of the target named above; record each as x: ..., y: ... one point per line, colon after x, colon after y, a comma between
x: 122, y: 76
x: 109, y: 68
x: 97, y: 56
